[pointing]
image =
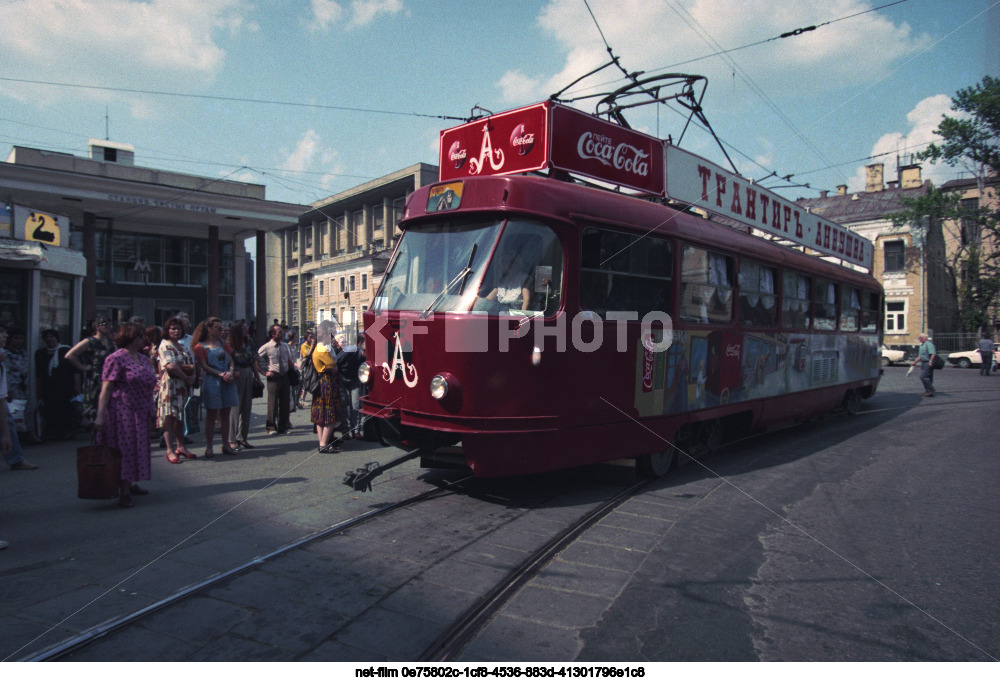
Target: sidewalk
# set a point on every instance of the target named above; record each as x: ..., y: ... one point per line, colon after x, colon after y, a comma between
x: 75, y: 563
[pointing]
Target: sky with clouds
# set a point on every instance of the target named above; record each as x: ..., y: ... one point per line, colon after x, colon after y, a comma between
x: 313, y: 97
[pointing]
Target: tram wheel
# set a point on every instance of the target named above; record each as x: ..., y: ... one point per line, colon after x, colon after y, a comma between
x: 852, y: 402
x: 712, y: 434
x: 657, y: 464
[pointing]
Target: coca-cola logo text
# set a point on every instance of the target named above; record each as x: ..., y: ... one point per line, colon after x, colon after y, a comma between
x: 648, y: 362
x: 457, y: 155
x: 522, y: 140
x: 620, y: 156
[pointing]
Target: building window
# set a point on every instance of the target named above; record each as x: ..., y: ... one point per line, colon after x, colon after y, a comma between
x: 895, y: 256
x: 352, y: 282
x: 398, y: 205
x: 969, y: 225
x: 895, y: 316
x: 321, y: 287
x: 364, y: 282
x: 343, y: 284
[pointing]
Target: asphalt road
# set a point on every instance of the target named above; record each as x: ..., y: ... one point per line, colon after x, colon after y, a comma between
x: 869, y: 537
x: 874, y: 537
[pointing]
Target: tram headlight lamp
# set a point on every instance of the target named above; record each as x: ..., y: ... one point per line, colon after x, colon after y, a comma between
x: 439, y: 387
x: 364, y: 372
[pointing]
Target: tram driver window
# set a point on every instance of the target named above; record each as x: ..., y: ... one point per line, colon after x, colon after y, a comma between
x: 525, y: 274
x: 706, y: 287
x: 825, y: 310
x: 757, y: 300
x: 796, y: 301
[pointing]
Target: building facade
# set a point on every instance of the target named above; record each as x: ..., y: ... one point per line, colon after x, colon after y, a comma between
x: 82, y: 236
x: 962, y: 235
x: 909, y: 260
x: 332, y: 261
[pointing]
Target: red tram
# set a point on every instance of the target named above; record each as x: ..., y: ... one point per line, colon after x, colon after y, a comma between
x: 529, y: 323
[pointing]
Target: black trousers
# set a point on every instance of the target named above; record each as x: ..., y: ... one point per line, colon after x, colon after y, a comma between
x: 277, y: 403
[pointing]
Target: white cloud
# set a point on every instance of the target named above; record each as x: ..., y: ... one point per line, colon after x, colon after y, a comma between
x: 305, y: 153
x: 310, y: 154
x: 118, y: 42
x: 661, y: 35
x: 924, y: 118
x: 326, y: 12
x: 161, y: 34
x: 363, y: 12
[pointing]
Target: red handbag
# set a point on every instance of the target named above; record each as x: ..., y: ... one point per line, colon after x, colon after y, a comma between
x: 98, y: 472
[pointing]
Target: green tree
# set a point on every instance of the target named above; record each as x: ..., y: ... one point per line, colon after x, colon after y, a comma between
x: 971, y: 139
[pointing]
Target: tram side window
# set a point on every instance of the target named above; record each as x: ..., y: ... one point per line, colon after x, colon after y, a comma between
x: 825, y: 311
x: 706, y: 287
x: 796, y: 301
x: 624, y: 272
x: 850, y: 309
x: 757, y: 300
x: 871, y: 306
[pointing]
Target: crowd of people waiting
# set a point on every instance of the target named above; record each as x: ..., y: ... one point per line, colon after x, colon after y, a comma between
x: 133, y: 385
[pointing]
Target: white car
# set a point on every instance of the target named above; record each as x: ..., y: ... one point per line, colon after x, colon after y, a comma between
x: 972, y: 358
x: 890, y: 357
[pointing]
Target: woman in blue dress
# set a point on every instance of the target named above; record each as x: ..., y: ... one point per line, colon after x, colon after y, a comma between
x: 218, y: 389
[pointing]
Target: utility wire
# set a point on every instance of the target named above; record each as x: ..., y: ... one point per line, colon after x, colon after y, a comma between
x: 241, y: 100
x: 787, y: 34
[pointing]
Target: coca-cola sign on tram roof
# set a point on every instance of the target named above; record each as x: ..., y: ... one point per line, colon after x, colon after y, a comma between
x: 549, y: 135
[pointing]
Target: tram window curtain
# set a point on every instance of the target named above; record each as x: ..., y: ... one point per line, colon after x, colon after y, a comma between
x: 796, y: 300
x: 706, y: 287
x: 757, y: 300
x: 850, y: 309
x: 825, y: 313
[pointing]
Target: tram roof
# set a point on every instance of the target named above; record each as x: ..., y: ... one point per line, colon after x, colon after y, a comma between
x: 578, y: 204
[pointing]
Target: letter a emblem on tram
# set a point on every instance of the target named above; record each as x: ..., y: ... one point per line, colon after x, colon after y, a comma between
x: 409, y: 371
x: 486, y: 153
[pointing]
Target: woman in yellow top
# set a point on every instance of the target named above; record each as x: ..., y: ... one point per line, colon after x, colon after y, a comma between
x: 326, y: 412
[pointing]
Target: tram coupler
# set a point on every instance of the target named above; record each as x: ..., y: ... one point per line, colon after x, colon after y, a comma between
x: 360, y: 480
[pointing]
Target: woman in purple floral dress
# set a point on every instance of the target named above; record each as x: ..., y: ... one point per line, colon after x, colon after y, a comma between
x: 125, y: 407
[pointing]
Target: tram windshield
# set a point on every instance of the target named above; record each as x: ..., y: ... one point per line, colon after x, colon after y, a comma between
x: 447, y: 267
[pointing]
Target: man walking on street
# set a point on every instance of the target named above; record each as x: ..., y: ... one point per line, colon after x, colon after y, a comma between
x: 275, y: 359
x: 926, y: 357
x: 986, y: 353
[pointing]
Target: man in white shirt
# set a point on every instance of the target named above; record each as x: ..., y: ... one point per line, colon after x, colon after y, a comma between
x: 275, y: 358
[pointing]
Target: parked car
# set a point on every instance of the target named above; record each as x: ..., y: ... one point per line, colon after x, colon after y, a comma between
x: 890, y: 357
x: 972, y: 358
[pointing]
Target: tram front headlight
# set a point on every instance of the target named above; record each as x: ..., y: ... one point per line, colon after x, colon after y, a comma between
x: 439, y: 387
x: 364, y: 372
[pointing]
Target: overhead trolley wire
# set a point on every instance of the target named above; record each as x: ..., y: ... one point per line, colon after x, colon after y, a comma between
x: 240, y: 100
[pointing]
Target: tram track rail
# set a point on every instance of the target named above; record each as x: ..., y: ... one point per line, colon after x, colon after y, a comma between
x: 458, y: 635
x: 464, y: 630
x: 85, y: 638
x: 454, y: 637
